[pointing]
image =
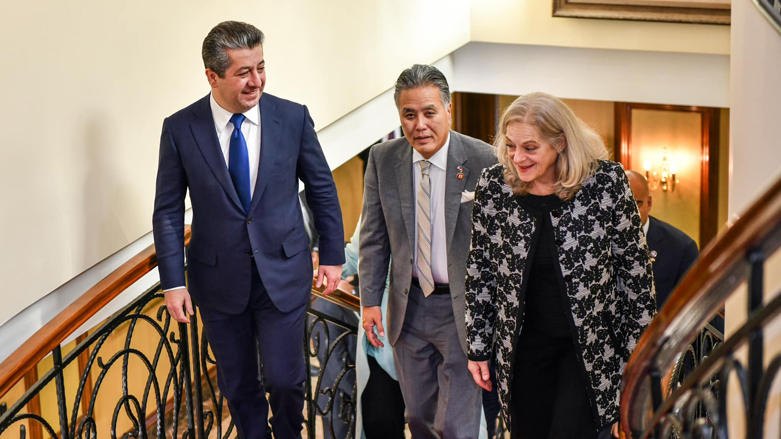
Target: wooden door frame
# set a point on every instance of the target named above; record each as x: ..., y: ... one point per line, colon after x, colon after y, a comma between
x: 709, y: 133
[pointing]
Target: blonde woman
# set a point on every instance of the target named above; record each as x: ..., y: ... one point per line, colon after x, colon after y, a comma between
x: 558, y: 274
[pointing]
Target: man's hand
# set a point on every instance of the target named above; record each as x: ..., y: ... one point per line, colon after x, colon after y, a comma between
x: 614, y: 430
x: 315, y: 259
x: 332, y: 274
x: 480, y: 373
x: 372, y: 316
x: 176, y: 301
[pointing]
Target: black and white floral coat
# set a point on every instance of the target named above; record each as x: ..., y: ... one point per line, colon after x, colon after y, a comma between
x: 606, y: 272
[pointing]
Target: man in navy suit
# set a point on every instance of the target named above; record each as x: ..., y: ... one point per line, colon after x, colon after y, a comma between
x: 672, y: 251
x: 240, y: 153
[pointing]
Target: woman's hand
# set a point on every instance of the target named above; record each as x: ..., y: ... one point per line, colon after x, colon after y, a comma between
x: 480, y: 373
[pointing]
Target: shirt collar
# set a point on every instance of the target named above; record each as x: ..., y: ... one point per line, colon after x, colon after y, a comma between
x: 222, y: 116
x: 439, y: 159
x: 646, y: 225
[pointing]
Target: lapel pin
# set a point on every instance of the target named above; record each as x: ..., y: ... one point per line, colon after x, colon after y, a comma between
x: 460, y: 174
x: 653, y: 256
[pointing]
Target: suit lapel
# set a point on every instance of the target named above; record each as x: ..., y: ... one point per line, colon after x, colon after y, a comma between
x: 202, y: 128
x: 456, y: 157
x: 404, y: 183
x: 653, y: 235
x: 270, y: 130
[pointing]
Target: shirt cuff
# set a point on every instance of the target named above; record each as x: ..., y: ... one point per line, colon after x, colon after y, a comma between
x: 174, y: 288
x: 478, y: 357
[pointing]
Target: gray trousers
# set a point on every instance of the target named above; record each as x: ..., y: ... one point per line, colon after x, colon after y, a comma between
x: 442, y: 399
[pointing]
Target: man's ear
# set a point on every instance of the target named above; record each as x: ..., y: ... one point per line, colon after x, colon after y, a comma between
x: 212, y: 76
x: 650, y: 203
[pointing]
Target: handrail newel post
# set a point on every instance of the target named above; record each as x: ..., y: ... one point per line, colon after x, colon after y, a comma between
x: 656, y: 396
x: 186, y: 372
x: 60, y: 385
x: 197, y: 378
x: 755, y: 344
x: 310, y: 407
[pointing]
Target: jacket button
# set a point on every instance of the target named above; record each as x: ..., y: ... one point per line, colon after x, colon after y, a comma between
x: 249, y: 221
x: 406, y: 290
x: 248, y: 252
x: 559, y: 242
x: 555, y: 213
x: 411, y: 261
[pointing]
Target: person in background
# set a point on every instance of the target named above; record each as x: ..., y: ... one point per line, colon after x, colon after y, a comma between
x: 380, y: 404
x: 417, y: 208
x: 558, y: 274
x: 672, y: 251
x: 249, y: 265
x: 324, y: 336
x: 311, y: 230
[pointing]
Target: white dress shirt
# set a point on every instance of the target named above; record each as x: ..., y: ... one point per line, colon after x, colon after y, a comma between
x: 646, y: 225
x: 437, y: 174
x: 251, y: 130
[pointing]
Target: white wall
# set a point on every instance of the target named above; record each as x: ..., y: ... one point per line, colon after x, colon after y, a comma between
x: 756, y: 105
x: 594, y: 74
x: 88, y: 83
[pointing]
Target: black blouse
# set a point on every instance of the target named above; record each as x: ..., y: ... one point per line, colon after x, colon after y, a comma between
x: 545, y: 309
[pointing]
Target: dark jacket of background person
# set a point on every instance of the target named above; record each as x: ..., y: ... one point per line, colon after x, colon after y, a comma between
x: 672, y: 253
x: 606, y: 275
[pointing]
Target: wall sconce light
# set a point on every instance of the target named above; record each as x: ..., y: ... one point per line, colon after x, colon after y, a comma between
x: 666, y: 180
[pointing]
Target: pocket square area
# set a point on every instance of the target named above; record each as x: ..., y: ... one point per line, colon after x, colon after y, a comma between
x: 467, y: 196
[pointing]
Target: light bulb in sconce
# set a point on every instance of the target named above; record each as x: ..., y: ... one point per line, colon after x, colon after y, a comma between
x: 667, y: 179
x: 652, y: 179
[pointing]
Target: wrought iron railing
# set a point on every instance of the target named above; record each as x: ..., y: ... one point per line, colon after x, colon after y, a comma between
x: 175, y: 393
x: 697, y: 404
x: 141, y: 374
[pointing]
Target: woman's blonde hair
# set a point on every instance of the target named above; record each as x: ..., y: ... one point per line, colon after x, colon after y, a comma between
x: 559, y: 126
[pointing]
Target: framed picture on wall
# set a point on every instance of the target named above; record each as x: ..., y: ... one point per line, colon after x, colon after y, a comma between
x: 675, y: 11
x: 771, y: 9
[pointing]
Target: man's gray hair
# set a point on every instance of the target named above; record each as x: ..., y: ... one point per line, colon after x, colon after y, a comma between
x: 228, y: 35
x: 421, y: 75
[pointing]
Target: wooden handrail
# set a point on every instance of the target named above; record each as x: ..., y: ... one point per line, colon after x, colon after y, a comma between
x: 41, y: 344
x: 703, y: 291
x: 339, y: 297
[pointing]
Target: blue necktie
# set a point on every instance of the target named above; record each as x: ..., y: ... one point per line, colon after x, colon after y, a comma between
x: 238, y: 162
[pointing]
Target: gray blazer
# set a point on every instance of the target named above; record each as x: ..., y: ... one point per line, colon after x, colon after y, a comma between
x: 388, y: 224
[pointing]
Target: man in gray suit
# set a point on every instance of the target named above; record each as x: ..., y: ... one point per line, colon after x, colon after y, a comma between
x: 417, y: 208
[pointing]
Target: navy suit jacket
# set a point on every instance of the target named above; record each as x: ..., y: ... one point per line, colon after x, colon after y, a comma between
x: 675, y: 251
x: 225, y: 239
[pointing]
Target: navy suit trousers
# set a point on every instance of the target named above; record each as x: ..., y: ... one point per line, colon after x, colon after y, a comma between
x: 260, y: 332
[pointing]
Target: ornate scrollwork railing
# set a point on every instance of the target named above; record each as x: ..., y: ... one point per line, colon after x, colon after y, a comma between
x: 141, y: 374
x: 175, y: 393
x: 696, y: 404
